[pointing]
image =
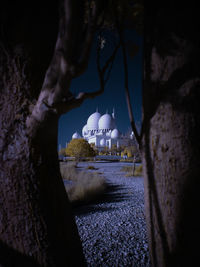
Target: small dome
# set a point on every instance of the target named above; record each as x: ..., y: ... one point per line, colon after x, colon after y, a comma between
x: 102, y: 142
x: 105, y: 122
x: 115, y: 134
x: 92, y: 122
x: 76, y: 136
x: 85, y: 130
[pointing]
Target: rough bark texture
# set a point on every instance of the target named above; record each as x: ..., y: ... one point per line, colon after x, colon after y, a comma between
x: 36, y: 222
x: 171, y: 147
x: 43, y: 46
x: 37, y: 227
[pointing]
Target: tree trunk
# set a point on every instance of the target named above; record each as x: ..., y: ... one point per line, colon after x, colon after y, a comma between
x: 37, y: 227
x: 170, y: 144
x: 36, y: 222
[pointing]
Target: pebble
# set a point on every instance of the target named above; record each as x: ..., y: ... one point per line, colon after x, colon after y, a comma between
x: 113, y: 230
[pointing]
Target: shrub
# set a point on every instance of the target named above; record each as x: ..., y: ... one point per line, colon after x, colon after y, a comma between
x: 68, y: 170
x: 79, y: 148
x: 129, y: 170
x: 138, y: 170
x: 85, y: 186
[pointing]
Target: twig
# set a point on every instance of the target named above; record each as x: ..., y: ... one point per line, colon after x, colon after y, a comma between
x: 130, y: 112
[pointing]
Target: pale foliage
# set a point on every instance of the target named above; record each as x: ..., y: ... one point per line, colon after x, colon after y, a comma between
x: 85, y: 185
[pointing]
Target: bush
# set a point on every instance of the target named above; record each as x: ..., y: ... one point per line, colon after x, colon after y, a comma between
x: 68, y: 170
x: 129, y: 170
x: 79, y: 148
x: 85, y: 185
x: 138, y: 170
x: 130, y: 151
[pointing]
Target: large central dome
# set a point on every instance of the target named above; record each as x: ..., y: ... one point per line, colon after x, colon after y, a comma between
x: 92, y: 122
x: 105, y: 122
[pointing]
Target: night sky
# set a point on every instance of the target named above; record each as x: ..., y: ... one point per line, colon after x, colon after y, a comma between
x: 114, y: 94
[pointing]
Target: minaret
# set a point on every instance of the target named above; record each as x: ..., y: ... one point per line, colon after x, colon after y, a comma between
x: 113, y: 114
x: 97, y: 109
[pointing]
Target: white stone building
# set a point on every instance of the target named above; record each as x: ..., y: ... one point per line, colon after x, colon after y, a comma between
x: 101, y: 130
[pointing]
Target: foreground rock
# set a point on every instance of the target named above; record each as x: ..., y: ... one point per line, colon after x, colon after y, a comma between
x: 113, y: 230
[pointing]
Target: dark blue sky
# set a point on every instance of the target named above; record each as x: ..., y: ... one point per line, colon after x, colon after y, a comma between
x: 113, y: 96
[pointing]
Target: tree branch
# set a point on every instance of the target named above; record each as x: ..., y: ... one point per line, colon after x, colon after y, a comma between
x: 96, y: 11
x: 130, y: 111
x: 72, y: 102
x: 70, y: 59
x: 72, y: 48
x: 126, y: 86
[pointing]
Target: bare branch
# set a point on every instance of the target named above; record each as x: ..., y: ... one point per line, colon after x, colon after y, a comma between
x: 130, y: 111
x: 126, y: 86
x: 72, y: 48
x: 67, y: 45
x: 108, y: 64
x: 71, y: 102
x: 89, y: 35
x: 70, y: 59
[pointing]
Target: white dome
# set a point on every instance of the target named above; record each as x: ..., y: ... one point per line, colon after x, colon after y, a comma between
x: 105, y: 122
x: 92, y: 122
x: 76, y: 136
x: 85, y: 130
x: 102, y: 142
x: 115, y: 134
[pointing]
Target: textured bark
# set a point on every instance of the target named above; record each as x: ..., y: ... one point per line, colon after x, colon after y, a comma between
x: 171, y: 132
x: 37, y: 227
x: 36, y: 223
x: 41, y: 51
x: 36, y: 218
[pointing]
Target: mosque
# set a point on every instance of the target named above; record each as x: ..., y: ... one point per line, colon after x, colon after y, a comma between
x: 101, y: 130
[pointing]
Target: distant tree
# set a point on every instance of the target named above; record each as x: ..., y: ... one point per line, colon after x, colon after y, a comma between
x: 92, y: 145
x: 113, y: 149
x: 95, y: 148
x: 130, y: 150
x: 79, y: 148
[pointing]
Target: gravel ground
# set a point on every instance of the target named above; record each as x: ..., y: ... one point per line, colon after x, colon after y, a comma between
x: 113, y: 229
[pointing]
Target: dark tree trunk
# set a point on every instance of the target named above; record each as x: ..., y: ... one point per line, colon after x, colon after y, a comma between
x: 36, y: 222
x: 171, y: 149
x: 37, y: 227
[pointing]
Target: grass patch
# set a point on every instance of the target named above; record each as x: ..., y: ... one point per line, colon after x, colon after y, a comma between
x: 85, y: 185
x: 129, y: 170
x: 138, y: 170
x: 126, y: 160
